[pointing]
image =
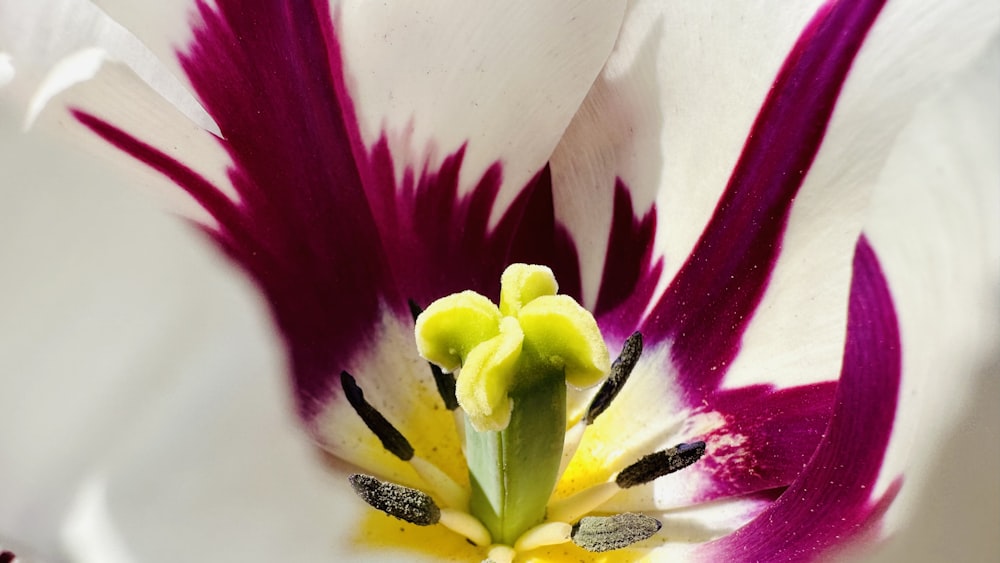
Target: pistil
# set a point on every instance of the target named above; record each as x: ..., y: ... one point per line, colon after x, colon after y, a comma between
x: 515, y: 361
x: 513, y: 364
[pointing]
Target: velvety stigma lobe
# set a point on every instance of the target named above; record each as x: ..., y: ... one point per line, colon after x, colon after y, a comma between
x: 522, y: 283
x: 532, y: 334
x: 452, y: 326
x: 564, y: 337
x: 445, y: 382
x: 487, y: 376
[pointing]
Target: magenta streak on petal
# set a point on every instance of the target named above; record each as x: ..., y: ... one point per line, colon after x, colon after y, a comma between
x: 768, y: 437
x: 262, y: 70
x: 711, y: 300
x: 320, y: 222
x: 833, y: 499
x: 630, y: 275
x: 542, y: 240
x: 457, y: 250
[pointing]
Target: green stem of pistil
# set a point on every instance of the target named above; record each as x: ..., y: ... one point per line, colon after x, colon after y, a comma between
x: 514, y: 471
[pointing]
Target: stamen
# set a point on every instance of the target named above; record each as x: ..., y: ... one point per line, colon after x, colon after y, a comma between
x: 409, y: 505
x: 465, y: 524
x: 500, y: 554
x: 445, y: 382
x: 621, y: 369
x: 573, y: 507
x: 447, y: 490
x: 643, y: 471
x: 571, y: 443
x: 7, y: 556
x: 392, y: 440
x: 548, y: 533
x: 605, y: 533
x: 659, y: 464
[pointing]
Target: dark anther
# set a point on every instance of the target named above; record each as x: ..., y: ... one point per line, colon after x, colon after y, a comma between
x: 391, y: 439
x: 604, y: 533
x: 621, y: 369
x: 660, y: 463
x: 445, y: 381
x: 7, y: 556
x: 409, y: 505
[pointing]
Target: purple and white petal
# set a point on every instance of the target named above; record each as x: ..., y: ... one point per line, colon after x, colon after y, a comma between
x: 280, y: 82
x: 144, y: 418
x: 911, y: 50
x: 834, y: 499
x: 659, y: 152
x: 667, y: 117
x: 734, y: 303
x: 44, y: 37
x: 695, y: 328
x: 933, y: 222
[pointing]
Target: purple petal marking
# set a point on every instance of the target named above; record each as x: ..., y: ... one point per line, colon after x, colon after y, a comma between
x: 542, y: 240
x: 768, y: 437
x: 438, y: 242
x: 630, y: 274
x: 7, y: 557
x: 711, y: 300
x: 833, y: 498
x: 321, y: 224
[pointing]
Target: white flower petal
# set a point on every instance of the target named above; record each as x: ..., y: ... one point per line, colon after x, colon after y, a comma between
x: 668, y: 116
x: 146, y: 415
x: 506, y: 78
x: 6, y: 69
x: 797, y: 333
x: 41, y: 33
x: 934, y: 222
x: 671, y: 131
x: 412, y: 70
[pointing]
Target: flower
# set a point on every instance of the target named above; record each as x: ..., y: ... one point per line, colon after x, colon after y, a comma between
x: 296, y: 254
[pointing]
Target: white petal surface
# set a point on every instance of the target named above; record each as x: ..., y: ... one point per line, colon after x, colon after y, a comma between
x: 147, y: 418
x: 67, y: 54
x: 913, y: 49
x: 505, y: 77
x: 670, y: 113
x: 6, y: 69
x: 40, y: 34
x: 935, y: 224
x: 120, y: 97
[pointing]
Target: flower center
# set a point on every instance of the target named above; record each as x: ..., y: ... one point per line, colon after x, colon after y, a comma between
x: 514, y: 361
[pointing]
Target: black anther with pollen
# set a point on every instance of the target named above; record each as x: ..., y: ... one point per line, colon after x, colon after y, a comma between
x: 621, y: 369
x: 392, y: 440
x: 660, y: 463
x: 409, y: 505
x: 605, y: 533
x: 445, y: 382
